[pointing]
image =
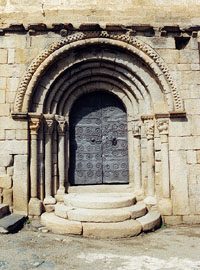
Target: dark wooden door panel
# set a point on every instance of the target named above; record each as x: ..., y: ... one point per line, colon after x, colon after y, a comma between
x: 98, y: 140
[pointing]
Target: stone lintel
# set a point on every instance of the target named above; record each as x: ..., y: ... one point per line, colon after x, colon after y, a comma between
x: 19, y: 115
x: 177, y: 114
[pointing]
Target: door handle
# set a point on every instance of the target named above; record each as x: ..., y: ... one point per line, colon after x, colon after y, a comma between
x: 114, y: 141
x: 93, y: 140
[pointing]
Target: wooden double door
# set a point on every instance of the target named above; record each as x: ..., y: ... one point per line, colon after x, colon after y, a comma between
x: 98, y: 140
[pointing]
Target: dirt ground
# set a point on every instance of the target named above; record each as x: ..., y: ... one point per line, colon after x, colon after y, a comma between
x: 167, y: 248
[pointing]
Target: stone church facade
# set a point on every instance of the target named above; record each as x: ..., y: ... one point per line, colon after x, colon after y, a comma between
x: 134, y: 69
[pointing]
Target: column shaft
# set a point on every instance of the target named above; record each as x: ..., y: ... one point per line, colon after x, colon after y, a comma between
x: 165, y: 168
x: 61, y: 162
x: 137, y: 162
x: 150, y: 167
x: 48, y: 164
x: 33, y: 166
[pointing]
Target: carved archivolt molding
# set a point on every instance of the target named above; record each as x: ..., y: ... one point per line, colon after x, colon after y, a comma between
x: 133, y: 44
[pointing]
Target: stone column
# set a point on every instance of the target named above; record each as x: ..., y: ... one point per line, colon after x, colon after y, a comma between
x: 162, y: 125
x: 62, y: 126
x: 49, y: 126
x: 136, y: 129
x: 149, y: 124
x: 35, y: 206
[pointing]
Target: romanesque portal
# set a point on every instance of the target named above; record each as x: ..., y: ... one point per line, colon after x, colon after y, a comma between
x: 95, y: 107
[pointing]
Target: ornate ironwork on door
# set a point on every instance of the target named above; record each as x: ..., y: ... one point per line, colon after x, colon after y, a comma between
x: 98, y: 140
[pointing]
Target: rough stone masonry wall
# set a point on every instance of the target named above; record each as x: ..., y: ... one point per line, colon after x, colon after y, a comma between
x: 155, y: 12
x: 19, y: 48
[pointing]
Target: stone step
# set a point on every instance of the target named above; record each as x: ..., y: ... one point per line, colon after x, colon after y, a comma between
x: 123, y: 229
x: 60, y: 225
x: 99, y: 200
x: 101, y: 189
x: 4, y: 210
x: 11, y: 223
x: 100, y: 215
x: 150, y: 221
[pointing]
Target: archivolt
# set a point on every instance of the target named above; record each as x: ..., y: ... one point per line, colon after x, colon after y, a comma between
x: 131, y: 44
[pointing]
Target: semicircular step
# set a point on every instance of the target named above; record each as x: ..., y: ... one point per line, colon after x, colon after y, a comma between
x: 151, y: 220
x: 99, y: 200
x: 100, y: 215
x: 127, y: 228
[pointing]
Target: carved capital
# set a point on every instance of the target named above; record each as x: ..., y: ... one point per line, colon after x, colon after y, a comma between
x: 162, y: 125
x: 49, y: 123
x: 136, y: 129
x: 34, y: 123
x: 149, y: 125
x: 62, y: 127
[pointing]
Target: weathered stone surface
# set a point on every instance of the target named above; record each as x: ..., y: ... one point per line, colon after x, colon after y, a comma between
x: 5, y: 181
x: 61, y: 210
x: 20, y: 184
x: 150, y: 221
x: 192, y: 219
x: 173, y: 220
x: 6, y: 160
x: 35, y: 207
x: 179, y: 182
x: 137, y: 210
x: 8, y: 196
x: 165, y: 207
x: 60, y: 225
x: 49, y: 208
x: 113, y: 189
x: 126, y: 228
x: 98, y: 200
x: 4, y: 210
x: 49, y: 200
x: 98, y: 215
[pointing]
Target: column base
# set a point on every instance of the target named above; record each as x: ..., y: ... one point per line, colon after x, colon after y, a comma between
x: 151, y: 203
x: 49, y: 200
x: 35, y: 207
x: 60, y: 194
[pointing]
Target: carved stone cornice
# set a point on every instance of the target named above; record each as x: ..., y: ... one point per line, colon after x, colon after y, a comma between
x: 136, y: 129
x: 163, y: 125
x: 149, y: 125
